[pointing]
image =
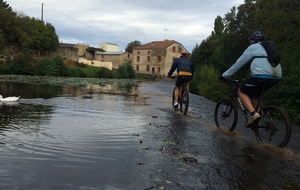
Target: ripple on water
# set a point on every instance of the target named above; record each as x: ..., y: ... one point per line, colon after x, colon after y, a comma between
x: 76, y: 140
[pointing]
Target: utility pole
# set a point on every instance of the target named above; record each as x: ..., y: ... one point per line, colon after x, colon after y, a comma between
x: 42, y: 12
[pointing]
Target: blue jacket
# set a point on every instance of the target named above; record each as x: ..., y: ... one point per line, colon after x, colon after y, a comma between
x: 182, y: 64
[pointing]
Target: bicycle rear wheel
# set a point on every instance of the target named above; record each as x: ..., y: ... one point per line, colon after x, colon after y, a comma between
x: 226, y: 114
x: 184, y: 102
x: 274, y: 127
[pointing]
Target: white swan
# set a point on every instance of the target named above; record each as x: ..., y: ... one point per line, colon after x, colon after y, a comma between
x: 9, y: 99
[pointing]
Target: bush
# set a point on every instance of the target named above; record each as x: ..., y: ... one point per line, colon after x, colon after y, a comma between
x: 91, y: 72
x: 74, y: 71
x: 21, y: 65
x: 48, y: 67
x: 61, y: 66
x: 207, y: 83
x: 104, y: 73
x: 126, y: 71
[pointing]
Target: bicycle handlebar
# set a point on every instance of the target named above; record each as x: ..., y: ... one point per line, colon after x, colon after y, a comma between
x: 172, y: 77
x: 235, y: 81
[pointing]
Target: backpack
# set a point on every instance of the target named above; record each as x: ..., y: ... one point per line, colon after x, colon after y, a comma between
x: 272, y: 52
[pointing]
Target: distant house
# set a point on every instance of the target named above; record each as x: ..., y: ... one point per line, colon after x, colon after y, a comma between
x: 156, y: 57
x: 116, y: 58
x: 98, y: 57
x: 109, y: 47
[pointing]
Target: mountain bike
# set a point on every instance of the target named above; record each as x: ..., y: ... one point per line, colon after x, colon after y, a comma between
x: 183, y: 99
x: 273, y: 128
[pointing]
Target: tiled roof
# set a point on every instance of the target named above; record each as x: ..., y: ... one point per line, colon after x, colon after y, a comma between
x: 156, y: 45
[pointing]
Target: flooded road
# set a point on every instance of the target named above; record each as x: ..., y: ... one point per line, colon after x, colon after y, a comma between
x: 96, y: 136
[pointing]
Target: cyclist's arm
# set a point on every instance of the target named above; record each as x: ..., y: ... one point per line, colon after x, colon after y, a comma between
x: 173, y: 68
x: 242, y: 60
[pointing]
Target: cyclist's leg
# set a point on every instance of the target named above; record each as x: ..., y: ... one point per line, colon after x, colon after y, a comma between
x: 187, y: 80
x: 179, y: 82
x: 248, y: 90
x: 261, y: 87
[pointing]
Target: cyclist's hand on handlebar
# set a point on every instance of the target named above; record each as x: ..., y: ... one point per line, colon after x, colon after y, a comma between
x: 222, y: 79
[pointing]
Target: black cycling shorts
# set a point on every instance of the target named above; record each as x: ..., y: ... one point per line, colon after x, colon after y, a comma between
x: 255, y: 87
x: 181, y: 79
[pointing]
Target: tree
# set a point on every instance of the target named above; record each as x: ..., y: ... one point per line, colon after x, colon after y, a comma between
x: 280, y: 21
x: 5, y: 6
x: 132, y: 45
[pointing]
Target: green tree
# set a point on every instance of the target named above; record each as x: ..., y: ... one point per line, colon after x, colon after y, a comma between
x: 132, y: 45
x: 280, y: 21
x: 126, y: 71
x: 5, y: 6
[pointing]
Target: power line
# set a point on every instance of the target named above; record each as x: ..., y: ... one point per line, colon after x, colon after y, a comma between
x: 81, y: 22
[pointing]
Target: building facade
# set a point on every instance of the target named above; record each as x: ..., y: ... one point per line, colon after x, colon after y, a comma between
x: 109, y: 47
x: 156, y: 57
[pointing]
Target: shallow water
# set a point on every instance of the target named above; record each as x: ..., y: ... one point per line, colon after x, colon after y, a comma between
x: 58, y: 137
x: 83, y: 134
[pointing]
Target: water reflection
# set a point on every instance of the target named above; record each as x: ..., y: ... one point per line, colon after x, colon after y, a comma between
x: 55, y: 138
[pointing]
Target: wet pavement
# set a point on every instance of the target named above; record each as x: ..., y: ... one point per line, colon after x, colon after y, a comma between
x: 189, y: 152
x: 84, y: 138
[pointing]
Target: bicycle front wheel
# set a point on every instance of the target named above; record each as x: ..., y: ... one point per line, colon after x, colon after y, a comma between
x: 184, y: 102
x: 274, y: 127
x: 226, y: 114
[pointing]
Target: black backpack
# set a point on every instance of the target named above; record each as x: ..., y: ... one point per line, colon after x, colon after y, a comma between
x: 272, y: 52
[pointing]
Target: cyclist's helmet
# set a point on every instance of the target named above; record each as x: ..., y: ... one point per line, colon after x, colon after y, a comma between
x: 184, y: 54
x: 258, y: 36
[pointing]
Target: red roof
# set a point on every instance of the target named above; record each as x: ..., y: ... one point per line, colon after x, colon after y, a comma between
x: 156, y: 45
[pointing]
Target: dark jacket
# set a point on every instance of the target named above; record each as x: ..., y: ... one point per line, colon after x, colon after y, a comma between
x: 182, y: 64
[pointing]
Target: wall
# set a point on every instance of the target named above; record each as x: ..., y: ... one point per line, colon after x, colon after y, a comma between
x: 96, y: 63
x: 162, y: 67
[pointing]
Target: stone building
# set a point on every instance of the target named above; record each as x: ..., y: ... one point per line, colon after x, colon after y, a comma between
x: 98, y: 57
x: 156, y: 57
x: 152, y: 58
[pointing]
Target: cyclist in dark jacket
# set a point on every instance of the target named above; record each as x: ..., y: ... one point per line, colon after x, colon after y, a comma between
x: 185, y: 70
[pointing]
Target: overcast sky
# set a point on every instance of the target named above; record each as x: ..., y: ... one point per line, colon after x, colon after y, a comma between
x: 123, y: 21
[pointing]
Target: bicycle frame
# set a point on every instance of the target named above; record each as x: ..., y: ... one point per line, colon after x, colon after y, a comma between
x: 234, y: 96
x: 183, y: 98
x: 273, y: 127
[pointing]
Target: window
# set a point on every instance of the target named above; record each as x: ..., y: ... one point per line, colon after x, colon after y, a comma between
x: 159, y: 59
x: 148, y: 68
x: 158, y: 69
x: 149, y: 52
x: 153, y: 70
x: 179, y: 50
x: 148, y: 58
x: 174, y: 49
x: 138, y: 59
x: 137, y: 68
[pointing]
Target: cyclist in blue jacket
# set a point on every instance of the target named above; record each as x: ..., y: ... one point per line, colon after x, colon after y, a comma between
x: 185, y: 70
x: 263, y: 77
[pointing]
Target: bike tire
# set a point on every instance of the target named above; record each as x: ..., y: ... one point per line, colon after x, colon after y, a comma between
x: 274, y: 127
x: 226, y: 114
x: 184, y: 102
